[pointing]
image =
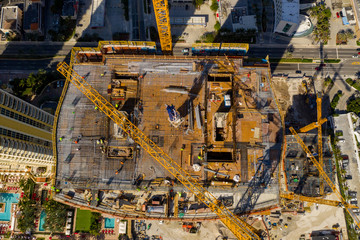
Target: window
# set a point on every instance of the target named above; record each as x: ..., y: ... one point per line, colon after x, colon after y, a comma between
x: 286, y: 28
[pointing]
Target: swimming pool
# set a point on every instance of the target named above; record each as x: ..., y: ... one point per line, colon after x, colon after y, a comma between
x: 8, y: 199
x: 42, y: 220
x: 109, y: 222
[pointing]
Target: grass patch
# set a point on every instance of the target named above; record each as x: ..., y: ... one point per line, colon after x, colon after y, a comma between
x: 284, y: 60
x: 332, y: 60
x: 335, y: 100
x: 353, y: 83
x: 83, y: 220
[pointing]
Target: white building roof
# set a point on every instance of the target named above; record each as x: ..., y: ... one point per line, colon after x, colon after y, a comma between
x: 290, y: 11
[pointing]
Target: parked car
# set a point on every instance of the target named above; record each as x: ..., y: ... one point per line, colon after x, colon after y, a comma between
x: 345, y: 157
x: 348, y: 177
x: 322, y: 65
x: 341, y: 14
x: 298, y: 71
x: 317, y: 68
x: 185, y: 50
x: 355, y: 56
x: 337, y: 14
x: 354, y: 202
x: 352, y: 193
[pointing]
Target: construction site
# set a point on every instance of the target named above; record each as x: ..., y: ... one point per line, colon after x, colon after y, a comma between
x: 214, y: 117
x: 187, y: 139
x: 302, y: 176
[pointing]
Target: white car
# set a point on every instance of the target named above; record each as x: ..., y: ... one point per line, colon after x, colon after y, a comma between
x: 356, y: 56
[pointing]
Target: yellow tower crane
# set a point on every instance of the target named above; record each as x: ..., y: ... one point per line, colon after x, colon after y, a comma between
x: 237, y: 226
x: 326, y: 178
x: 161, y: 9
x: 318, y: 125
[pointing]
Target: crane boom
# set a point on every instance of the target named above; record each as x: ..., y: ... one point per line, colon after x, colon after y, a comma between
x: 312, y: 126
x: 238, y: 227
x: 161, y: 9
x: 320, y: 144
x: 293, y: 196
x: 325, y: 176
x: 333, y: 203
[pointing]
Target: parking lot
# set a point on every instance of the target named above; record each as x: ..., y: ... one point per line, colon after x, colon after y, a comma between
x: 349, y: 153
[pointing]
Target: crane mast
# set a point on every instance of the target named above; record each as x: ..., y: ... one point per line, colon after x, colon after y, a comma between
x: 320, y: 143
x: 237, y: 226
x: 325, y: 176
x: 161, y: 9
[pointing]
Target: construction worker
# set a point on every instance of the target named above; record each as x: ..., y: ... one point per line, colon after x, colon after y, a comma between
x: 182, y: 147
x: 116, y: 106
x: 102, y: 75
x: 96, y: 108
x: 60, y: 139
x: 199, y: 157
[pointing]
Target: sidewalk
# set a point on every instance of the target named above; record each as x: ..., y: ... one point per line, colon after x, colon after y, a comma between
x: 354, y: 140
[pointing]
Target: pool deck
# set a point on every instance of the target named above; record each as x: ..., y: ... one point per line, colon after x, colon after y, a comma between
x: 110, y: 236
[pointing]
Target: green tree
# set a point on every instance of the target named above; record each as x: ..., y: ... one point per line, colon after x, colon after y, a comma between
x: 214, y: 6
x: 55, y: 216
x: 198, y: 3
x: 95, y: 226
x: 28, y: 212
x: 33, y: 84
x: 354, y: 106
x: 217, y: 26
x: 321, y: 31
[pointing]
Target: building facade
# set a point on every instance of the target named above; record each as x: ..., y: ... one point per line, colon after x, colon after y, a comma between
x: 33, y: 15
x: 11, y: 20
x: 25, y: 136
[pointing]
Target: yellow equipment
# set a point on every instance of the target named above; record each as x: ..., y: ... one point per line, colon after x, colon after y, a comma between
x: 292, y: 196
x: 325, y: 177
x: 161, y: 9
x: 238, y: 227
x: 320, y: 145
x: 318, y: 125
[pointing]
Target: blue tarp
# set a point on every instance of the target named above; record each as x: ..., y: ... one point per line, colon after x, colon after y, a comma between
x: 345, y: 21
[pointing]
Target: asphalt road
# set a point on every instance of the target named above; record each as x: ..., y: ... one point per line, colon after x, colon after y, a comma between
x: 311, y: 52
x: 40, y: 48
x: 57, y: 51
x: 54, y: 48
x: 347, y: 67
x: 8, y: 65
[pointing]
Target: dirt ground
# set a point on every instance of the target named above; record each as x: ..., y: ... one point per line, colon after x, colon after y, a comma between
x: 281, y: 90
x: 172, y: 230
x: 299, y: 108
x: 322, y: 218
